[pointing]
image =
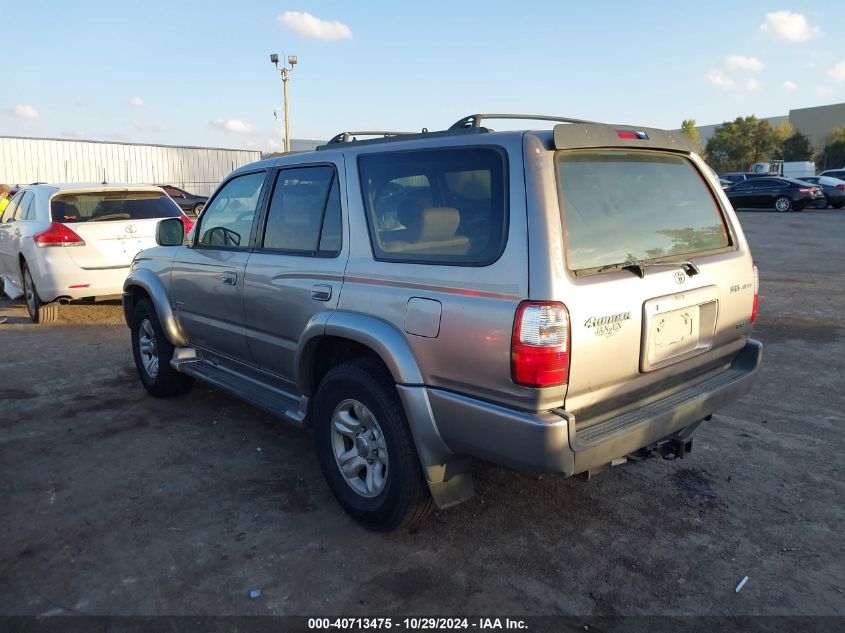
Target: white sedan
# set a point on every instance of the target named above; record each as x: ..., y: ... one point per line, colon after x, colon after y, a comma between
x: 60, y: 243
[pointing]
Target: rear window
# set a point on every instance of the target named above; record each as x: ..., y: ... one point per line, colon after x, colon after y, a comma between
x: 104, y: 206
x: 622, y: 207
x: 443, y: 206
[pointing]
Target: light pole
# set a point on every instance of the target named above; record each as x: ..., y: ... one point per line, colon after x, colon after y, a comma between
x: 285, y: 72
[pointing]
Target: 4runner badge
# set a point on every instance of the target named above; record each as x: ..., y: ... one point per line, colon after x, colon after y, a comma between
x: 607, y: 325
x: 680, y: 277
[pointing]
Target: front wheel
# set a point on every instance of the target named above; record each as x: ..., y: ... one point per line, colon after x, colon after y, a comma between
x: 39, y: 311
x: 153, y: 352
x: 365, y: 447
x: 783, y: 204
x: 198, y: 208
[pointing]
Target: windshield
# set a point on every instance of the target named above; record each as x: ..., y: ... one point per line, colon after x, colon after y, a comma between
x: 103, y: 206
x: 628, y: 206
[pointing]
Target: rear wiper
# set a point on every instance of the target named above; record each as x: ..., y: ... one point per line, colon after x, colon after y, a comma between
x: 638, y: 268
x: 110, y: 216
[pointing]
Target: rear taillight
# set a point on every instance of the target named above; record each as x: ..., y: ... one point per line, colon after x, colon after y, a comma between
x: 57, y: 235
x: 540, y: 344
x: 840, y: 187
x: 756, y: 295
x: 807, y: 190
x: 186, y: 222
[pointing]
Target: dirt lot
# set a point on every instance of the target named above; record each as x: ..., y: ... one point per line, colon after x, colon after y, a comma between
x: 116, y: 503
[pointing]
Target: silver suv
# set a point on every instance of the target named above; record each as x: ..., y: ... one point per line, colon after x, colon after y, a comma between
x: 556, y: 301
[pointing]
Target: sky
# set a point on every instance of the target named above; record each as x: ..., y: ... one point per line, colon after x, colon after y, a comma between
x: 199, y: 73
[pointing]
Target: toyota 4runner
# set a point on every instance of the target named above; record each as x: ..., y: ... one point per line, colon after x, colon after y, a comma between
x: 555, y: 301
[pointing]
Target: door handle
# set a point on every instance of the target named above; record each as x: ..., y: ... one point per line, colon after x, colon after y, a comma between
x: 321, y: 292
x: 230, y: 279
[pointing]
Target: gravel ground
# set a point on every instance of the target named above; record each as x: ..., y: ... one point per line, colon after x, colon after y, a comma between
x: 118, y: 503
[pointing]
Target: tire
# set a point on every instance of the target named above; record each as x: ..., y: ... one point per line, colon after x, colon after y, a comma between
x: 40, y: 312
x: 153, y: 352
x: 382, y: 494
x: 197, y: 208
x: 783, y: 204
x: 822, y: 203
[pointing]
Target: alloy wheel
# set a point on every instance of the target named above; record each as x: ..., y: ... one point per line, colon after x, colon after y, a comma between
x: 359, y: 447
x: 148, y: 349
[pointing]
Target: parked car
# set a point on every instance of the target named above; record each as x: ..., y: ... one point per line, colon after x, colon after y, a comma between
x: 725, y: 183
x: 832, y: 188
x: 781, y: 194
x: 60, y: 243
x: 189, y: 203
x: 834, y: 173
x: 413, y: 299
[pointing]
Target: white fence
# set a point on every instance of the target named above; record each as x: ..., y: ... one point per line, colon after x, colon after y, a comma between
x: 196, y: 169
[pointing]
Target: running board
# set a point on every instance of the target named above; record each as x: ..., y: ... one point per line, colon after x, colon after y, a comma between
x: 290, y: 407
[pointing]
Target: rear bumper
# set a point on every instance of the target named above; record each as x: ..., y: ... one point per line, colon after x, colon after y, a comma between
x: 54, y: 273
x: 547, y: 442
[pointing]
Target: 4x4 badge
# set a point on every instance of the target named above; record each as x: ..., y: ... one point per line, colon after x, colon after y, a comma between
x: 680, y: 277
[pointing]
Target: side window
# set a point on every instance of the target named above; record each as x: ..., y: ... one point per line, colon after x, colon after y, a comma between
x: 24, y: 207
x: 443, y: 206
x: 173, y: 192
x: 227, y: 220
x: 304, y: 213
x: 11, y: 208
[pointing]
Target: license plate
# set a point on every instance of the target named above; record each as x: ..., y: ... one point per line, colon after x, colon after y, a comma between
x: 675, y: 332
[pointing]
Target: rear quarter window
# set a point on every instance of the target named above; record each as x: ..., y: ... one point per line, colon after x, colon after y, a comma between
x: 436, y: 206
x: 623, y: 206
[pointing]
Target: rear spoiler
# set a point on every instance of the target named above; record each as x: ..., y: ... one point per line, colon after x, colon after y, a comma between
x: 594, y: 135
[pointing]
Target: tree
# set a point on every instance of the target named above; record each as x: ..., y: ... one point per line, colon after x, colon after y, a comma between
x: 797, y: 147
x: 737, y: 144
x: 688, y: 128
x: 833, y: 154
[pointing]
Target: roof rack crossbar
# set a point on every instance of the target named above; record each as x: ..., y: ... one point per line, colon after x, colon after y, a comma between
x: 474, y: 120
x: 346, y: 137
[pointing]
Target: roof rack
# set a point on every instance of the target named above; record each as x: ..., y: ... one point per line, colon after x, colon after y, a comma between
x: 474, y: 120
x: 347, y: 137
x: 387, y: 137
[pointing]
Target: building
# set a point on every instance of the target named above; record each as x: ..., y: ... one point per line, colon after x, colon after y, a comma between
x: 816, y: 123
x: 197, y: 169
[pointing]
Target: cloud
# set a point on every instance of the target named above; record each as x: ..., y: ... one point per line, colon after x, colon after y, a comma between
x: 233, y: 125
x: 307, y: 25
x: 838, y: 71
x: 824, y: 90
x: 273, y: 144
x: 24, y: 112
x: 753, y: 85
x: 739, y: 62
x: 155, y: 128
x: 719, y: 79
x: 790, y: 85
x: 786, y: 25
x: 74, y: 134
x: 117, y: 136
x: 136, y: 102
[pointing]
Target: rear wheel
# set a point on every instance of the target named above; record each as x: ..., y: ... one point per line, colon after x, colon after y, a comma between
x: 39, y: 311
x: 783, y: 204
x: 197, y: 208
x: 365, y: 447
x: 153, y: 352
x: 822, y: 203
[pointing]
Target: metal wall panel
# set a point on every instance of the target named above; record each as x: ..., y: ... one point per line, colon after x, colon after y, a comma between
x: 196, y: 169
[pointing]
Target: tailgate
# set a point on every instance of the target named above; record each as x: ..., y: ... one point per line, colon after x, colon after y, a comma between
x: 111, y: 244
x: 115, y: 223
x: 660, y: 290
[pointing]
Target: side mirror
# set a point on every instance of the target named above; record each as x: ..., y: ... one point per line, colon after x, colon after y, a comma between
x: 170, y: 232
